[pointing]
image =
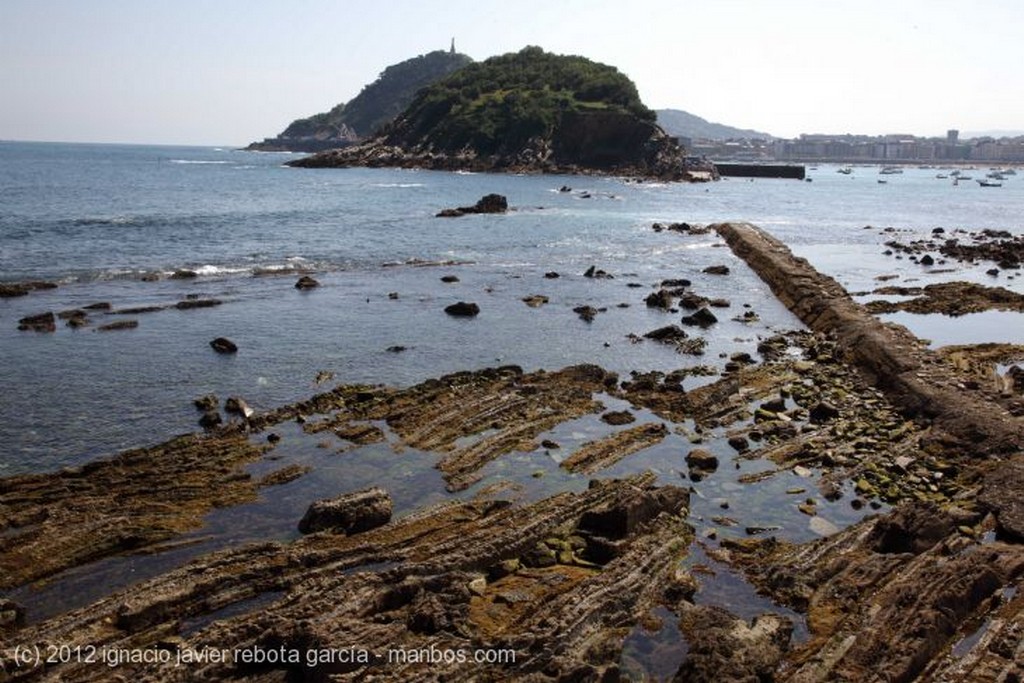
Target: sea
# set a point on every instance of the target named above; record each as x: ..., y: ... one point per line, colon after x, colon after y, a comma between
x: 113, y: 223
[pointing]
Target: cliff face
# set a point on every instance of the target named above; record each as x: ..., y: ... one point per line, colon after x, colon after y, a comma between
x: 375, y: 106
x: 529, y: 111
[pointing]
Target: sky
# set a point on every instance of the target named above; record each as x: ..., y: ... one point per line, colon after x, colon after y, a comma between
x: 227, y: 72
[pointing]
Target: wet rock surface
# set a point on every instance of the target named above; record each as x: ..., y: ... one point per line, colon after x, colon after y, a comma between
x: 463, y: 309
x: 351, y: 513
x: 948, y: 298
x: 491, y: 203
x: 851, y: 413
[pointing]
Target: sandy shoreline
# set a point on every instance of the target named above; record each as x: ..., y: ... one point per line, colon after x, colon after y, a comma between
x: 853, y: 411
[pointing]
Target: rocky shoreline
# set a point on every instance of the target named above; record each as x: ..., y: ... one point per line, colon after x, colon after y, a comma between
x: 852, y: 410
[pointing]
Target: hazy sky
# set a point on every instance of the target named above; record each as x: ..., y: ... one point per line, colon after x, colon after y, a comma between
x: 232, y: 71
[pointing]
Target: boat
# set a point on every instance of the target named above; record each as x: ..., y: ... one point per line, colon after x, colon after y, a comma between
x: 891, y: 170
x: 1009, y: 171
x: 941, y: 176
x: 882, y: 182
x: 845, y: 170
x: 995, y: 175
x: 989, y: 183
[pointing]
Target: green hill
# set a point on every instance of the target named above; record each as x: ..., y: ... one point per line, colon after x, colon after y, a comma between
x: 687, y: 125
x: 376, y: 105
x: 530, y: 110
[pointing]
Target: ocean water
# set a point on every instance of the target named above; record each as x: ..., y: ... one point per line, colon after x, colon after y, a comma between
x: 97, y: 218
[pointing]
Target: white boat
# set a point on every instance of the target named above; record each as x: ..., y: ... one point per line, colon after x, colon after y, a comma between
x: 989, y: 183
x: 890, y: 170
x: 845, y: 170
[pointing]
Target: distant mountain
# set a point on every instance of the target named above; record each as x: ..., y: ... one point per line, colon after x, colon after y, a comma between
x: 997, y: 134
x: 376, y: 105
x: 527, y: 111
x: 683, y: 124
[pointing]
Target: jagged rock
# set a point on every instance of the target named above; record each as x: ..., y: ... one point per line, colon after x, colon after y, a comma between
x: 724, y: 648
x: 702, y: 318
x: 552, y: 275
x: 911, y: 529
x: 462, y: 309
x: 596, y: 273
x: 676, y: 283
x: 491, y: 203
x: 535, y: 300
x: 238, y: 406
x: 740, y: 443
x: 822, y: 411
x: 701, y: 459
x: 12, y: 615
x: 586, y: 313
x: 449, y: 279
x: 351, y: 513
x: 210, y: 419
x: 184, y: 274
x: 717, y: 270
x: 1003, y: 493
x: 306, y: 282
x: 223, y: 345
x: 43, y: 322
x: 208, y: 402
x: 618, y: 417
x: 668, y: 334
x: 10, y: 290
x: 73, y: 313
x: 660, y: 299
x: 927, y: 260
x: 98, y: 306
x: 397, y: 348
x: 623, y: 517
x: 691, y: 301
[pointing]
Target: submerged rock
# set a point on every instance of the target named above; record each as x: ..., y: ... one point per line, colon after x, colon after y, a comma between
x: 119, y: 325
x: 349, y: 514
x: 717, y: 270
x: 223, y: 345
x: 197, y: 303
x: 306, y: 282
x: 208, y: 402
x: 618, y: 417
x: 660, y: 299
x: 586, y: 313
x: 462, y: 309
x: 702, y: 318
x: 491, y: 203
x: 42, y: 322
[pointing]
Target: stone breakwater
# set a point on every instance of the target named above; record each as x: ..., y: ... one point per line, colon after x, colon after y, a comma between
x: 917, y: 594
x: 860, y: 414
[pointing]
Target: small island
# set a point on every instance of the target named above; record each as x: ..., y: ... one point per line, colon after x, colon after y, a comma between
x: 376, y: 105
x: 525, y: 112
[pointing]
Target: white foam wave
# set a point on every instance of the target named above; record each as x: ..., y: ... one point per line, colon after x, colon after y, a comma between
x: 196, y: 161
x: 208, y: 269
x: 397, y: 185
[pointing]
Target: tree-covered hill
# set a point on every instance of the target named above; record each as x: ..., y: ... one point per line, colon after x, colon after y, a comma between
x: 376, y: 105
x: 529, y: 110
x: 502, y: 103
